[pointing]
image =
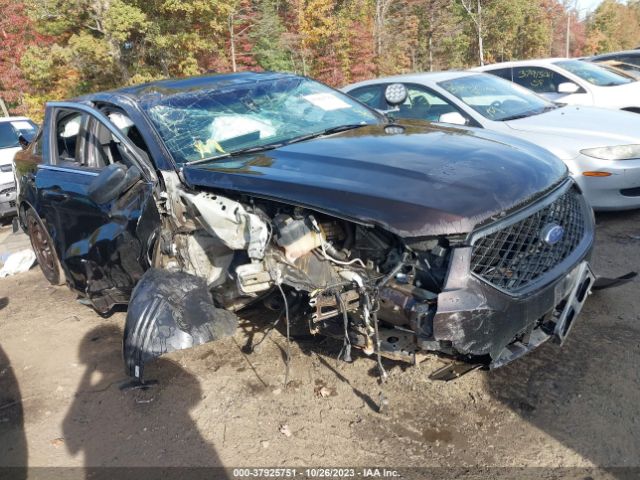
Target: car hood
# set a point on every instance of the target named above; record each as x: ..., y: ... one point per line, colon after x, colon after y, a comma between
x: 6, y: 157
x: 7, y: 154
x: 415, y: 181
x: 590, y: 126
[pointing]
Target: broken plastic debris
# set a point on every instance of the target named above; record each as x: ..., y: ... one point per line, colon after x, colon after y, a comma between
x: 284, y: 429
x: 18, y: 262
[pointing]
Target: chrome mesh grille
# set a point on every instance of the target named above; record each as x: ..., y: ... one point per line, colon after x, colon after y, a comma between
x: 516, y: 255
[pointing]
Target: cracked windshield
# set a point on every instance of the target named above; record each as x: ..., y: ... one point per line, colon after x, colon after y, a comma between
x: 218, y: 122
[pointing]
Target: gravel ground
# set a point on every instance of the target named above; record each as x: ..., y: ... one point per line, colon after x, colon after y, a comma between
x: 575, y: 406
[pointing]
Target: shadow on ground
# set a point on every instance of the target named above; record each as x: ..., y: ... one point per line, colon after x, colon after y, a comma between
x: 13, y: 442
x: 135, y: 427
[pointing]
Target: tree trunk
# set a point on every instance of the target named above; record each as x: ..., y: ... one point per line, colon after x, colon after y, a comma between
x: 4, y: 108
x: 232, y: 44
x: 480, y: 43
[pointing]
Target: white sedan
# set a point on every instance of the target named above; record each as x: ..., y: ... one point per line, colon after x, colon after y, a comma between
x: 600, y: 147
x: 572, y: 81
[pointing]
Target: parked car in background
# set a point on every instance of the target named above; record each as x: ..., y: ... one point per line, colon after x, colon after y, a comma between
x: 628, y: 57
x: 13, y: 131
x: 572, y: 81
x: 618, y: 66
x: 601, y: 147
x: 192, y: 199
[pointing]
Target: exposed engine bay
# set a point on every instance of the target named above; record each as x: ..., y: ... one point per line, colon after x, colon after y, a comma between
x: 337, y: 278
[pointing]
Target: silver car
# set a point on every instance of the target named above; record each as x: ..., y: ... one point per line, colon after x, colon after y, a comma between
x: 601, y: 147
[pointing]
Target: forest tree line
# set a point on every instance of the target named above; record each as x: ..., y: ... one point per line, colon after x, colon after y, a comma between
x: 54, y: 49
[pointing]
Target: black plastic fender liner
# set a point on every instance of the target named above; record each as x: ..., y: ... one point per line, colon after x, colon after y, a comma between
x: 603, y: 283
x: 170, y: 311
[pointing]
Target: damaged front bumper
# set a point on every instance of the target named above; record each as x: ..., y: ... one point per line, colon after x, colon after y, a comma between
x: 501, y: 298
x: 481, y: 323
x: 485, y: 325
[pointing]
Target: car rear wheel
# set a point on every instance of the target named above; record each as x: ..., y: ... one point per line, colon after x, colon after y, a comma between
x: 44, y: 249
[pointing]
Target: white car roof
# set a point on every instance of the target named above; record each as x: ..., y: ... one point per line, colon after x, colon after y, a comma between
x: 431, y: 77
x: 13, y: 119
x: 539, y: 62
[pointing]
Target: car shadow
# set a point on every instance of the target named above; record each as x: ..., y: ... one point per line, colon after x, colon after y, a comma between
x: 13, y: 441
x: 149, y: 428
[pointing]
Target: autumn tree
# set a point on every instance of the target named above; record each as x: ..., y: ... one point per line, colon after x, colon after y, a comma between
x: 17, y: 34
x: 613, y: 26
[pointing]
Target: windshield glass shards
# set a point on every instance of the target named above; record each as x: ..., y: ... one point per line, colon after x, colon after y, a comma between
x: 197, y: 125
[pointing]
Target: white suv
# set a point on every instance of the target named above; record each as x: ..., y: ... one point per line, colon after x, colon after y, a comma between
x: 13, y: 131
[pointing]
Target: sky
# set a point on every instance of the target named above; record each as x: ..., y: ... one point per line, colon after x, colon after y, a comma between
x: 588, y: 5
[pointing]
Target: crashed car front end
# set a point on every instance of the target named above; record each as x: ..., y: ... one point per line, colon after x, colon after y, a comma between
x: 485, y: 298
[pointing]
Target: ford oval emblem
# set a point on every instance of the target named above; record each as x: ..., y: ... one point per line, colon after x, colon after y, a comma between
x: 552, y: 234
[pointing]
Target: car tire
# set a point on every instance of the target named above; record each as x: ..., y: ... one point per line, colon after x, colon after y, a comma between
x: 44, y: 249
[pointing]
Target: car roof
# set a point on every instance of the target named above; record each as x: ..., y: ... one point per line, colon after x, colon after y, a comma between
x: 175, y: 86
x: 520, y: 63
x: 14, y: 119
x: 613, y: 54
x: 414, y: 77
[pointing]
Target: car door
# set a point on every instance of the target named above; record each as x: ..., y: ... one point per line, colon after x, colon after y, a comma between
x: 102, y: 245
x: 545, y: 82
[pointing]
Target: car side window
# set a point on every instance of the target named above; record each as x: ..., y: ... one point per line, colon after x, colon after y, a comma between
x: 506, y: 73
x: 538, y: 79
x: 70, y: 131
x: 424, y: 104
x: 82, y: 141
x: 371, y: 95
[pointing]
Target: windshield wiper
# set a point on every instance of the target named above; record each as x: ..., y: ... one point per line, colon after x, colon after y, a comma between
x: 328, y: 131
x: 235, y: 153
x: 516, y: 116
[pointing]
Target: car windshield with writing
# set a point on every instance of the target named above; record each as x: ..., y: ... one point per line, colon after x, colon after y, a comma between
x: 205, y: 124
x: 495, y: 98
x: 594, y: 74
x: 10, y: 132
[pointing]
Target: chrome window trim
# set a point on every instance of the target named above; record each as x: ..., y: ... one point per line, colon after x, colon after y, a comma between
x: 79, y: 170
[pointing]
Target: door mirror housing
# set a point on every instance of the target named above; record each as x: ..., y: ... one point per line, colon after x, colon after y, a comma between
x: 395, y: 94
x: 112, y: 181
x: 455, y: 118
x: 568, y: 88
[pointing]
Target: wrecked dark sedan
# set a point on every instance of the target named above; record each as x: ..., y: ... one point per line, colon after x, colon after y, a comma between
x: 192, y: 199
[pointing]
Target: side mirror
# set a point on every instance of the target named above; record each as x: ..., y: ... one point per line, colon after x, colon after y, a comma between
x: 395, y: 94
x: 454, y: 118
x: 568, y: 88
x: 24, y: 143
x: 111, y: 182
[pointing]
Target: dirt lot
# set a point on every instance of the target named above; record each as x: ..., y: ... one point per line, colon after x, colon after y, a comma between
x: 60, y: 402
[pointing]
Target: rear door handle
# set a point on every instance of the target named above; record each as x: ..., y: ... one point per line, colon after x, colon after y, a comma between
x: 55, y: 196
